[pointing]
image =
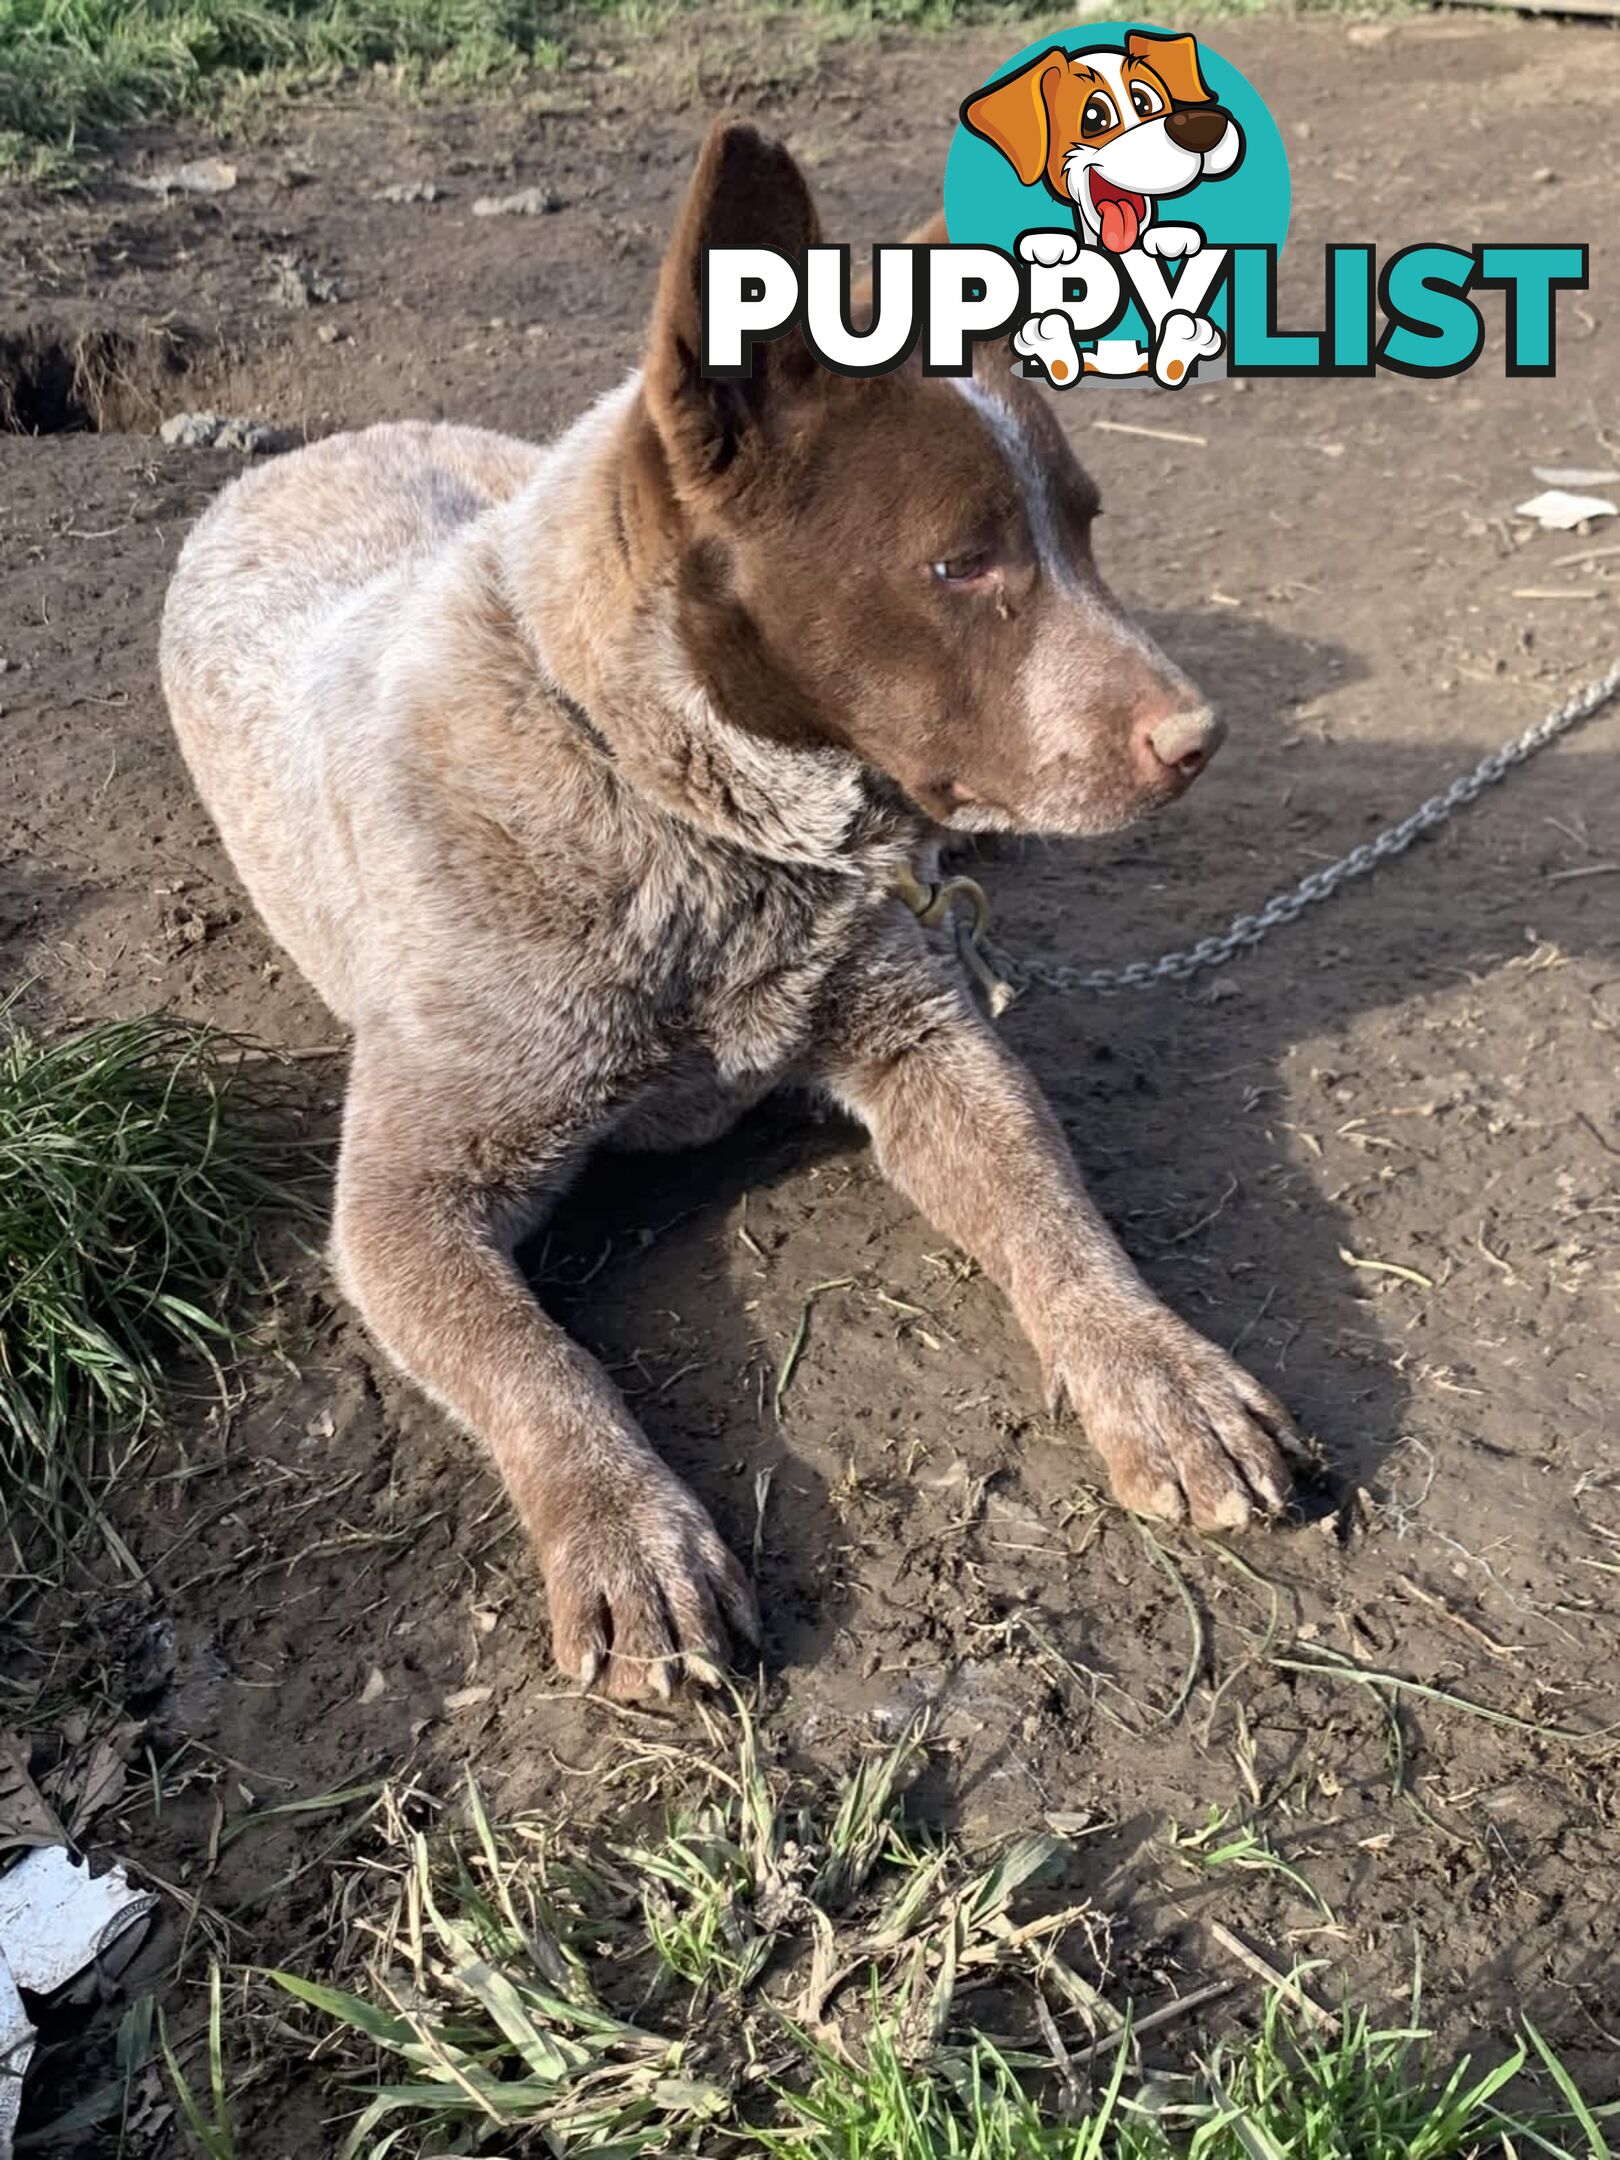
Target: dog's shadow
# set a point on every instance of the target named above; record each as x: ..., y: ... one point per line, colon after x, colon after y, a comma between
x: 654, y: 1263
x: 771, y: 1392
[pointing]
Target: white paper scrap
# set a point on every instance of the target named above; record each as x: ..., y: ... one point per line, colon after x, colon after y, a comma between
x: 1559, y: 511
x: 55, y: 1919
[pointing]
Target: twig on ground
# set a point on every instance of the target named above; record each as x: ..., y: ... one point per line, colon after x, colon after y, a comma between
x: 1269, y: 1975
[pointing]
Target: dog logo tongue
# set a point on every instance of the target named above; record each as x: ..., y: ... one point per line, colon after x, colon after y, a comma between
x: 1119, y: 225
x: 1120, y: 213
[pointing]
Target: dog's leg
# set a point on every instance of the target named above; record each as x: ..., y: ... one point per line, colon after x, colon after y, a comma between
x: 642, y: 1590
x: 961, y: 1128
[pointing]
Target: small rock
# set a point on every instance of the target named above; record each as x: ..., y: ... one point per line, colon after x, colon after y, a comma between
x: 216, y: 431
x: 191, y: 430
x: 1543, y: 176
x: 202, y: 176
x: 412, y: 191
x: 331, y: 333
x: 297, y: 285
x: 526, y: 202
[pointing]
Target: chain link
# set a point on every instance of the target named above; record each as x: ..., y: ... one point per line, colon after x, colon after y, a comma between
x: 1283, y: 907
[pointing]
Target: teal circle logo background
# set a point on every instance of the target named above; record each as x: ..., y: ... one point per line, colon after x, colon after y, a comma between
x: 986, y: 205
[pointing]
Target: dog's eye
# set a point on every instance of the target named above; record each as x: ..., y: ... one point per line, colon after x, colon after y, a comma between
x: 961, y: 569
x: 1145, y: 101
x: 1099, y: 114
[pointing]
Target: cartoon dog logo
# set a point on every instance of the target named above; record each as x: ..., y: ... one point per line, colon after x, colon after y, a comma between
x: 1111, y: 133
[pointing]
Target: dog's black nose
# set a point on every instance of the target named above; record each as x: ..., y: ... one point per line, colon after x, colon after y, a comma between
x: 1196, y: 127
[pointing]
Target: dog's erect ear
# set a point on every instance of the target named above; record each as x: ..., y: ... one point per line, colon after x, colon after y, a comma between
x: 932, y: 232
x: 1174, y: 59
x: 745, y: 192
x: 1015, y: 115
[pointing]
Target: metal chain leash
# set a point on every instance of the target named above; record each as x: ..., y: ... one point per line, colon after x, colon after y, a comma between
x: 1283, y: 907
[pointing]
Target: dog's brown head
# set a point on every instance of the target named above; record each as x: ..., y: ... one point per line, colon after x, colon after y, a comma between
x: 900, y: 564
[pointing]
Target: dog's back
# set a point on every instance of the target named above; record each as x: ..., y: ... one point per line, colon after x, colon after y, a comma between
x: 299, y: 581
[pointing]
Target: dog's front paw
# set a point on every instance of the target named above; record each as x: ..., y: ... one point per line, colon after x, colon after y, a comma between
x: 1048, y: 340
x: 1171, y: 242
x: 1049, y: 249
x: 1183, y: 341
x: 1187, y: 1435
x: 643, y: 1591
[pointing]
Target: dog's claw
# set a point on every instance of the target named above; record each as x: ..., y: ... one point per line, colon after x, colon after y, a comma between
x: 644, y: 1595
x: 1187, y: 1435
x: 740, y: 1606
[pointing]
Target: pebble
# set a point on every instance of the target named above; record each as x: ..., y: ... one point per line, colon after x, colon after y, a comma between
x: 526, y: 202
x: 413, y: 191
x: 216, y: 431
x: 203, y: 176
x: 297, y: 285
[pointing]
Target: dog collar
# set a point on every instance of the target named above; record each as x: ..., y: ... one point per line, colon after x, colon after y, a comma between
x: 932, y: 904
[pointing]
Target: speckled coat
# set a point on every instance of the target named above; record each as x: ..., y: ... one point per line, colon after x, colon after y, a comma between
x: 576, y: 780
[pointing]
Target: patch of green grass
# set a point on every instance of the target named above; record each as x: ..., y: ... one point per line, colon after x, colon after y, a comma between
x: 136, y: 1164
x: 882, y: 2109
x: 1369, y: 2095
x: 1225, y: 1840
x: 210, y: 2123
x: 73, y: 72
x: 800, y: 1974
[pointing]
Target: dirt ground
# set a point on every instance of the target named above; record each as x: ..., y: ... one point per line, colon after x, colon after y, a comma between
x: 1421, y: 1076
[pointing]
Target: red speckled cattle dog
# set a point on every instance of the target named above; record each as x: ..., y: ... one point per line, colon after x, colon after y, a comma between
x: 579, y: 780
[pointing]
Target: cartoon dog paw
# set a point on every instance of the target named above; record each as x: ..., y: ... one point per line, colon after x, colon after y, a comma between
x: 1184, y: 340
x: 1049, y: 249
x: 1048, y: 340
x: 1171, y: 242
